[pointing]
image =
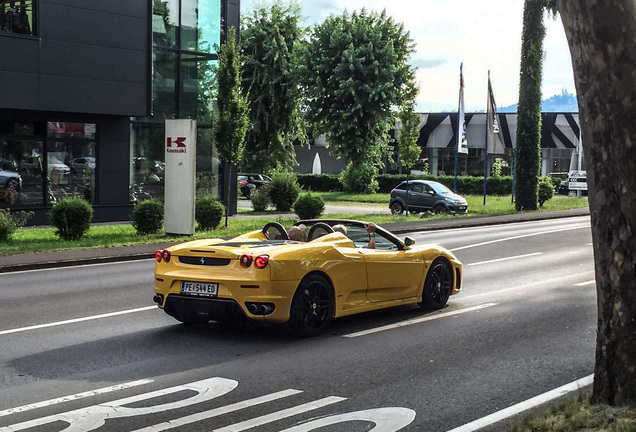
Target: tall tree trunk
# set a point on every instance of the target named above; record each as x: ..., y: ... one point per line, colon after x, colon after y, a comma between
x: 602, y: 39
x: 528, y: 145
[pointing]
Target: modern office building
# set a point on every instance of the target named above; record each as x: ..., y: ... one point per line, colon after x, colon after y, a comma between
x: 85, y: 88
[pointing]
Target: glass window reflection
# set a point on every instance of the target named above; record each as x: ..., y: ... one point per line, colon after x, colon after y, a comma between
x: 165, y: 23
x: 201, y: 25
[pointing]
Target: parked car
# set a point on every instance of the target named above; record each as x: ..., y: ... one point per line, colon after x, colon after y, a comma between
x: 264, y: 276
x: 10, y: 179
x: 83, y: 165
x: 249, y: 182
x: 424, y: 195
x: 577, y: 181
x: 54, y: 166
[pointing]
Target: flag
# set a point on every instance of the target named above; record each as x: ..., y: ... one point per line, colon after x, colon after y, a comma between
x: 495, y: 137
x: 462, y: 142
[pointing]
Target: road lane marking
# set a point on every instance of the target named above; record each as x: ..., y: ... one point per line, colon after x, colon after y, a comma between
x: 279, y: 415
x: 418, y: 320
x: 590, y: 282
x: 525, y: 405
x: 63, y: 267
x: 76, y: 320
x: 518, y: 237
x: 504, y: 259
x: 73, y: 397
x: 204, y: 415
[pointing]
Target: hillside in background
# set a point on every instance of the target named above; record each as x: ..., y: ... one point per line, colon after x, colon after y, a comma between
x: 565, y: 102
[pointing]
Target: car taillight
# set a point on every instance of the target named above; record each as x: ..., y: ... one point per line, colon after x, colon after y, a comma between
x: 246, y: 260
x: 261, y: 261
x: 242, y: 182
x: 392, y: 191
x: 163, y: 255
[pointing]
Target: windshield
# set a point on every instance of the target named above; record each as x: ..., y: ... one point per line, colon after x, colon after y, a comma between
x: 440, y: 188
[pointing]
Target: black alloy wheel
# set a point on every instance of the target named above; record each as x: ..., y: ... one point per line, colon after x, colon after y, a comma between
x: 439, y: 209
x: 438, y: 285
x: 312, y: 306
x: 397, y: 208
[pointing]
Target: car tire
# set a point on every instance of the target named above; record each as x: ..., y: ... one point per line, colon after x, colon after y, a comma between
x: 312, y: 306
x: 397, y: 208
x: 440, y: 209
x: 438, y: 285
x: 13, y: 184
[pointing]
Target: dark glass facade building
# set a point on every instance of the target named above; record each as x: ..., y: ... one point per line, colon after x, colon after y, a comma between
x: 85, y: 88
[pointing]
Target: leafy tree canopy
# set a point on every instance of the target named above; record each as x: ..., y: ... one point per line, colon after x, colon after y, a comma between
x: 355, y: 72
x: 407, y: 136
x: 269, y: 44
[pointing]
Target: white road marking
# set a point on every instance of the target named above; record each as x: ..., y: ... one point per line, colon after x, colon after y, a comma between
x: 76, y: 320
x: 518, y: 237
x: 504, y: 259
x: 418, y: 320
x: 590, y: 282
x: 523, y: 406
x: 75, y: 266
x: 204, y: 415
x: 279, y: 415
x: 73, y: 397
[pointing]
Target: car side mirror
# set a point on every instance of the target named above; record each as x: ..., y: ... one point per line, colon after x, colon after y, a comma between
x: 409, y: 241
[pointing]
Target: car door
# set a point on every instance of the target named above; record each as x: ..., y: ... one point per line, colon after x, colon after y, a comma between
x: 392, y: 274
x: 416, y: 197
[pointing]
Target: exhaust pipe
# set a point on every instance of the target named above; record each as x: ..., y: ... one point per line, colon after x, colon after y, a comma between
x: 253, y: 308
x: 157, y: 298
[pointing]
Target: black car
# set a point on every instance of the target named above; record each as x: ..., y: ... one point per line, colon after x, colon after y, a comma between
x: 249, y: 182
x: 425, y: 195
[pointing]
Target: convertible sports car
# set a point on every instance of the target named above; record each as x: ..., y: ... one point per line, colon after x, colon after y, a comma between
x: 265, y: 276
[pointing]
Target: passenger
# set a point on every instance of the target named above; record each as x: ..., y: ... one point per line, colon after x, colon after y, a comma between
x: 340, y: 228
x: 370, y: 227
x: 298, y: 233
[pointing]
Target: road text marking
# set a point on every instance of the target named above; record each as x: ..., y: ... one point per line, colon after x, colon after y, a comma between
x: 418, y: 320
x: 504, y: 259
x: 73, y: 397
x: 523, y: 406
x: 76, y: 320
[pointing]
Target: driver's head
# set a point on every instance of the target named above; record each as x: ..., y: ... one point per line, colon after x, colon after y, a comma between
x: 298, y: 233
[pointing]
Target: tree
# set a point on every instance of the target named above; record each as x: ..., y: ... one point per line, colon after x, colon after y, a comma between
x: 356, y: 72
x: 528, y: 143
x: 269, y: 45
x: 408, y: 134
x: 602, y: 39
x: 231, y: 121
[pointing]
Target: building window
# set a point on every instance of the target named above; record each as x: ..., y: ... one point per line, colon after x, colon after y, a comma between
x: 18, y: 17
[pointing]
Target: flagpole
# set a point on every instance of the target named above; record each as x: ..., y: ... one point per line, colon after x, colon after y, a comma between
x: 459, y: 138
x: 486, y: 143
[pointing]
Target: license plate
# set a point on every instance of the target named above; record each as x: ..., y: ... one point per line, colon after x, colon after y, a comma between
x: 199, y: 288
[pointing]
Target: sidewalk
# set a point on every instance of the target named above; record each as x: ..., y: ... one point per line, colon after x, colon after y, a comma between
x: 31, y: 261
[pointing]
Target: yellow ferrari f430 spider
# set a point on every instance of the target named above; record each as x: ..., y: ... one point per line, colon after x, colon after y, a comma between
x: 266, y: 276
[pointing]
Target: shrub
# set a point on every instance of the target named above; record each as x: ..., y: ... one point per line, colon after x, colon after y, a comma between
x: 147, y: 216
x: 309, y: 206
x: 71, y: 218
x: 260, y: 199
x: 283, y: 190
x: 360, y: 180
x: 9, y: 223
x: 496, y: 168
x: 208, y: 212
x: 546, y: 191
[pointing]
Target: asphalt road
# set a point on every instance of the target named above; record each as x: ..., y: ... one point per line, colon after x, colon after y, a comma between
x: 84, y: 345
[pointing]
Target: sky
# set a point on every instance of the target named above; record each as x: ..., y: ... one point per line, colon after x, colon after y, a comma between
x: 483, y: 34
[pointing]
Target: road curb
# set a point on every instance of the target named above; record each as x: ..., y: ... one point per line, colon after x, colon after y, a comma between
x: 47, y: 260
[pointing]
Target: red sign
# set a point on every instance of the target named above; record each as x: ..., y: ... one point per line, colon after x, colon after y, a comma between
x: 178, y: 142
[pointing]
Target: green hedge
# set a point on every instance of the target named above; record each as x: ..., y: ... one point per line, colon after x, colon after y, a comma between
x: 466, y: 185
